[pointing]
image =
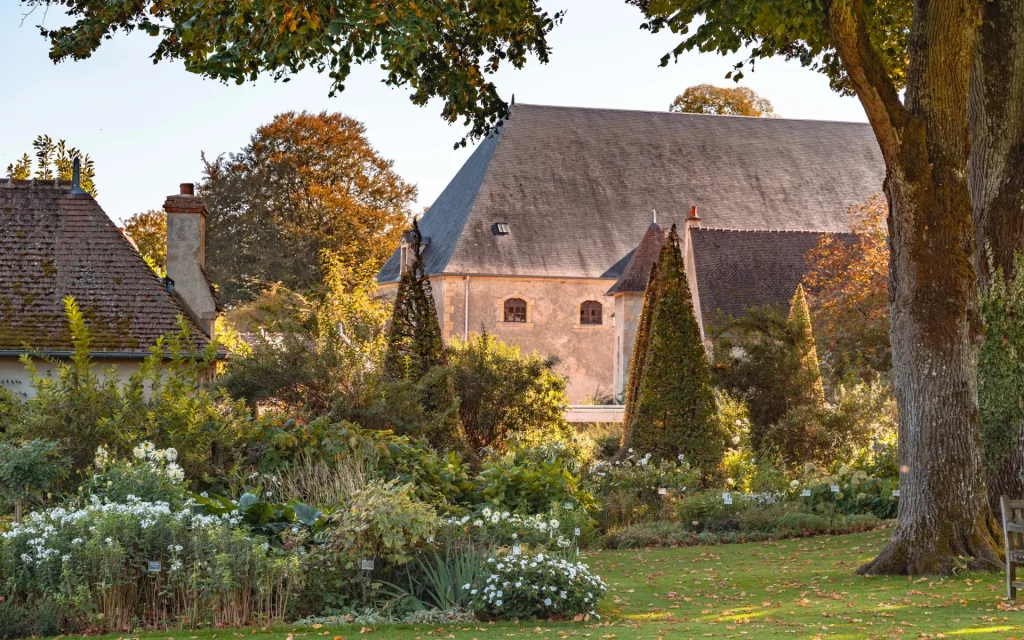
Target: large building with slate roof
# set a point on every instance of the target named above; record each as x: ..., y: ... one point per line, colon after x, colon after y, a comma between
x: 56, y: 242
x: 545, y: 235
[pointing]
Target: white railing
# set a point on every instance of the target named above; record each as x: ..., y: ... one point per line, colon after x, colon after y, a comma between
x: 595, y: 413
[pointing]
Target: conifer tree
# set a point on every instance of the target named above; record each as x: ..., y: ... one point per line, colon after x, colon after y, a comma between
x: 414, y: 340
x: 675, y: 407
x: 415, y: 359
x: 808, y: 388
x: 639, y: 357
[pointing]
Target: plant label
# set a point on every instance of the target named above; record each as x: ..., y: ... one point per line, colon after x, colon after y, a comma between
x: 806, y: 493
x: 835, y: 488
x: 367, y: 565
x: 727, y: 498
x: 153, y: 566
x: 568, y: 506
x: 516, y: 550
x: 895, y: 493
x: 662, y: 491
x: 576, y: 532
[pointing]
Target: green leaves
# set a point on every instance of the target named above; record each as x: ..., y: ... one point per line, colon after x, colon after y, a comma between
x: 439, y: 49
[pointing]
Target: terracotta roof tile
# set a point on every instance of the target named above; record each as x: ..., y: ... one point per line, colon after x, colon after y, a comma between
x: 54, y: 244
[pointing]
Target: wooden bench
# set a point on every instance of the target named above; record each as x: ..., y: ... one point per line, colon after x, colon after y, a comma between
x: 1013, y: 534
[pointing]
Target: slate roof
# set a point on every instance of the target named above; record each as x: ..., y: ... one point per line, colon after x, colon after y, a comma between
x: 738, y: 269
x: 637, y: 273
x: 576, y: 186
x: 54, y: 244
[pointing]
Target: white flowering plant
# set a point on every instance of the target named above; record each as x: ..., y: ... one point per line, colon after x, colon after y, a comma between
x: 538, y: 586
x: 115, y: 564
x: 151, y: 474
x: 638, y: 488
x: 563, y: 529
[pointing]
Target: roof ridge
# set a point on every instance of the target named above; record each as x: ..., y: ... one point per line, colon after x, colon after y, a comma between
x: 55, y: 183
x: 685, y: 114
x: 770, y: 230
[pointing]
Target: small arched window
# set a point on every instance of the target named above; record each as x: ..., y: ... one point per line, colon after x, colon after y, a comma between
x: 590, y: 312
x: 515, y: 310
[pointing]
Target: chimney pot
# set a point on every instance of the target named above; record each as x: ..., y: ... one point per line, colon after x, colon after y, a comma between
x: 693, y: 212
x: 188, y: 189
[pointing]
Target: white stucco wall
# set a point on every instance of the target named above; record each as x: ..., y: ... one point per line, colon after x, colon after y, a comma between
x: 14, y: 377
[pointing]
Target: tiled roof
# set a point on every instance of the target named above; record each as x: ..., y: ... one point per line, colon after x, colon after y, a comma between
x: 738, y: 269
x: 54, y: 244
x: 576, y: 186
x: 637, y: 273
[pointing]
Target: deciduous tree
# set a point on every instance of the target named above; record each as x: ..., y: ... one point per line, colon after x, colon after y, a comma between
x: 148, y: 230
x: 54, y: 161
x: 925, y: 48
x: 305, y: 183
x: 723, y: 101
x: 439, y: 49
x: 848, y: 291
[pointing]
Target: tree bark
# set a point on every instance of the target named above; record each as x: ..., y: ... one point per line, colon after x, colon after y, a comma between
x: 936, y: 323
x: 996, y: 180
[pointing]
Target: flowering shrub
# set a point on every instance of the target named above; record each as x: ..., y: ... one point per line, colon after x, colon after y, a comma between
x: 540, y: 586
x: 561, y: 528
x: 152, y: 475
x: 115, y: 563
x: 859, y: 493
x: 531, y: 486
x: 636, y: 489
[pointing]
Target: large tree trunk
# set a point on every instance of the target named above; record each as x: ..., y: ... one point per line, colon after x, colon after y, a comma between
x: 996, y: 180
x: 936, y: 324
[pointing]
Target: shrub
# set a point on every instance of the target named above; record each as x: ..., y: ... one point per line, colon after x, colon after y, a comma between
x: 315, y: 354
x: 152, y: 476
x: 441, y: 480
x: 674, y: 409
x: 383, y: 524
x: 507, y: 482
x: 29, y: 471
x: 789, y: 524
x: 630, y: 490
x: 95, y: 559
x: 859, y: 493
x: 505, y: 396
x: 540, y: 586
x: 558, y: 530
x: 163, y: 402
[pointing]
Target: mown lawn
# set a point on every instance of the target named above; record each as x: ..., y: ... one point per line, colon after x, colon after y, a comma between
x: 790, y: 589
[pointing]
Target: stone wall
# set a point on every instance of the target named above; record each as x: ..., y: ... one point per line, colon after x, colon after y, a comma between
x: 585, y: 352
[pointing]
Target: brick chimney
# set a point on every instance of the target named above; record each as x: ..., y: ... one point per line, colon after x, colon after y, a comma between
x: 693, y: 220
x: 186, y: 256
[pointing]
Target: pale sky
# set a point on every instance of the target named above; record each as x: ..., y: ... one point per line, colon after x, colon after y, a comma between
x: 145, y: 125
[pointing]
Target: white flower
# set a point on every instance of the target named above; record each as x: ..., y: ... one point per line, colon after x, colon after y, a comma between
x: 487, y: 512
x: 171, y: 454
x: 547, y: 602
x: 735, y: 439
x: 554, y: 523
x: 794, y: 484
x: 466, y: 586
x: 497, y: 603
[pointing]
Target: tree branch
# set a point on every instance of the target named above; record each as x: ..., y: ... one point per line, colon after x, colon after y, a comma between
x: 874, y: 87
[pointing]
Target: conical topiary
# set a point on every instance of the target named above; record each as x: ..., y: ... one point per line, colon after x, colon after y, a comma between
x: 639, y: 357
x: 808, y: 388
x: 414, y: 339
x: 674, y: 412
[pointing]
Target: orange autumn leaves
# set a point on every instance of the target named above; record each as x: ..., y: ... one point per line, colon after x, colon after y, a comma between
x: 847, y: 286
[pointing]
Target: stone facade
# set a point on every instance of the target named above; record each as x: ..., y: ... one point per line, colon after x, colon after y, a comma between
x: 585, y: 352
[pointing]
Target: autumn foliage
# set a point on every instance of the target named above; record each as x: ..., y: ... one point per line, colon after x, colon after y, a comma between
x: 848, y: 291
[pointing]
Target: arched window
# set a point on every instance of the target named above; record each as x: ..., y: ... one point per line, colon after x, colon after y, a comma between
x: 590, y: 312
x: 515, y: 310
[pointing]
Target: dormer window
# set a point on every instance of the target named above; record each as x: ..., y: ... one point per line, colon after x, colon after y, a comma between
x: 501, y: 229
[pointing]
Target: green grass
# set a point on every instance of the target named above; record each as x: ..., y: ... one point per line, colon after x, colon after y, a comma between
x: 789, y: 589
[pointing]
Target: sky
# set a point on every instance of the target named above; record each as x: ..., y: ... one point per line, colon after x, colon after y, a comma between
x: 146, y: 125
